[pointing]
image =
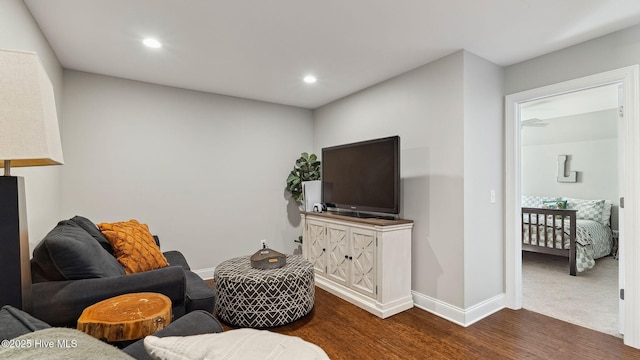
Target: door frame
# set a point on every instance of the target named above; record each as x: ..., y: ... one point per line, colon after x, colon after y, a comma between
x: 628, y: 77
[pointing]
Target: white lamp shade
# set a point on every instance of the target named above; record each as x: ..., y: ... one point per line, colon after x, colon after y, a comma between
x: 29, y: 133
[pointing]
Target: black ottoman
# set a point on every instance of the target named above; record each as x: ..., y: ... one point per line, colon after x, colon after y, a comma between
x: 256, y: 298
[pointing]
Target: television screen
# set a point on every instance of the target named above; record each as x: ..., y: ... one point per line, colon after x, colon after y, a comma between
x: 363, y: 176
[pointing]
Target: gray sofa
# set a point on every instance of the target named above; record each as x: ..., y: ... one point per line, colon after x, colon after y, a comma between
x: 73, y: 267
x: 15, y: 323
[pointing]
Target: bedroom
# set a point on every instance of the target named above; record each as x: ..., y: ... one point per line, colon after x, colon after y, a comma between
x: 583, y: 127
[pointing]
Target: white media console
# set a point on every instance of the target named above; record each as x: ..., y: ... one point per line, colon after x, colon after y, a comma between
x: 366, y: 262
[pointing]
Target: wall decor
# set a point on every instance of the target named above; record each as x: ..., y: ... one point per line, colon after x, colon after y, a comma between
x: 565, y: 176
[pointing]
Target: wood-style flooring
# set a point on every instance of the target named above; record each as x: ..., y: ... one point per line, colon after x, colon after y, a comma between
x: 345, y: 331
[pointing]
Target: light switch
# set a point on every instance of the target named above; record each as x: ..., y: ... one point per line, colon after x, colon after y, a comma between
x: 492, y: 196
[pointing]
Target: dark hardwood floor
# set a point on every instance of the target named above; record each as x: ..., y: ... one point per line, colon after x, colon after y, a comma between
x: 345, y: 331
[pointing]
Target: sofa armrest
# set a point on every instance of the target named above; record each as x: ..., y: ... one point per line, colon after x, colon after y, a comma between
x: 175, y: 258
x: 16, y: 322
x: 60, y: 303
x: 194, y: 323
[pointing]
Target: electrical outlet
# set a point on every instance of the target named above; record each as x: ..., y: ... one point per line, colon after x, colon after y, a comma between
x: 263, y: 243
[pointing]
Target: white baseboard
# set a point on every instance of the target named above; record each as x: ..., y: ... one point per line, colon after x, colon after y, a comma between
x: 462, y: 317
x: 205, y: 274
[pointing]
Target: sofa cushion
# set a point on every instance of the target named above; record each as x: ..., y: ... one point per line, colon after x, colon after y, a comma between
x: 16, y: 322
x: 133, y: 246
x: 93, y: 230
x: 69, y: 253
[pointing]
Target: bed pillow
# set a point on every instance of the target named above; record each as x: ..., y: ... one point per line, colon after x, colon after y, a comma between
x: 587, y: 209
x: 535, y: 201
x: 606, y: 213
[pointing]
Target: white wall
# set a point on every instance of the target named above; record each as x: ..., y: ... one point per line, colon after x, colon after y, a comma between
x: 206, y: 172
x: 483, y: 172
x: 19, y: 31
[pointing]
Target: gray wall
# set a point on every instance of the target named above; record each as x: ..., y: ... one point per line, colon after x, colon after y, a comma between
x: 19, y: 31
x: 205, y: 172
x: 605, y: 53
x: 439, y: 110
x: 483, y: 172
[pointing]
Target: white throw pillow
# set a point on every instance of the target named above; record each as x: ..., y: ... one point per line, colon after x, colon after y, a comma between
x: 240, y: 344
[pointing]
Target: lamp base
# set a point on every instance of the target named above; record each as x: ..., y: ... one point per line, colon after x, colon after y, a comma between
x: 15, y: 268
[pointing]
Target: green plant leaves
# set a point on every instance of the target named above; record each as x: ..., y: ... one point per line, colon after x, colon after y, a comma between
x: 307, y: 168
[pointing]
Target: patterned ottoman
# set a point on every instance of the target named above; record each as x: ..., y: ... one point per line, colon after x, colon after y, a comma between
x: 256, y: 298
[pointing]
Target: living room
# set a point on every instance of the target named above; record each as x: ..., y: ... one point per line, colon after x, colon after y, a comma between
x: 207, y: 171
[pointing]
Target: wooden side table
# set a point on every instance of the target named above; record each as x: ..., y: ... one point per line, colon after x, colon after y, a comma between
x: 126, y: 317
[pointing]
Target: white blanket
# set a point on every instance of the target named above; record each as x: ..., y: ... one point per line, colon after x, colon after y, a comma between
x: 240, y: 344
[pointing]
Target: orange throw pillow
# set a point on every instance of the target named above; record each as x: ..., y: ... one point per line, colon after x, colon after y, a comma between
x: 133, y: 246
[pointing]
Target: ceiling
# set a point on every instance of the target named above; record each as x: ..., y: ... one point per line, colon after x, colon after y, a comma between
x: 261, y: 50
x: 585, y: 115
x: 573, y: 103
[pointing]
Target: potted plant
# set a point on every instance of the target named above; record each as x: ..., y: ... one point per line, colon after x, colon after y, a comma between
x: 307, y: 168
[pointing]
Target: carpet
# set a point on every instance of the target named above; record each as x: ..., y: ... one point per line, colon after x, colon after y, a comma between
x: 589, y: 300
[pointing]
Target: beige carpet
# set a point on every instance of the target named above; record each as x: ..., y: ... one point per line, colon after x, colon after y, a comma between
x: 589, y: 300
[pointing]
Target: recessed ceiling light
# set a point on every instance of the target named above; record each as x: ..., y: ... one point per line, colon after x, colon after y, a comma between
x: 152, y: 43
x: 310, y: 79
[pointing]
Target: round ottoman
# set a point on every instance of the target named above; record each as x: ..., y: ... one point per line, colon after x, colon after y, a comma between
x: 249, y: 297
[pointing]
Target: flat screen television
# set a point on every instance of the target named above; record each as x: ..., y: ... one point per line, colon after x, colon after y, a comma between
x: 362, y: 176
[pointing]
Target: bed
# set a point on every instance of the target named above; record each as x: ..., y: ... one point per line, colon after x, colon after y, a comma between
x: 582, y: 232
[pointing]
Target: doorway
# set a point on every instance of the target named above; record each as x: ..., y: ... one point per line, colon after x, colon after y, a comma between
x: 581, y: 127
x: 629, y: 248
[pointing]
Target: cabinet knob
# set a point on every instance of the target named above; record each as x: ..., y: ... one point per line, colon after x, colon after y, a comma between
x: 346, y: 256
x: 323, y: 249
x: 350, y: 258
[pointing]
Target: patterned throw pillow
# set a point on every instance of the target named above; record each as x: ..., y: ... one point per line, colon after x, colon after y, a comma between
x: 554, y: 204
x: 587, y: 209
x: 133, y: 246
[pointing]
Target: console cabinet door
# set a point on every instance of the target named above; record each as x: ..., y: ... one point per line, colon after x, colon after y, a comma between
x: 338, y: 253
x: 316, y: 245
x: 363, y: 261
